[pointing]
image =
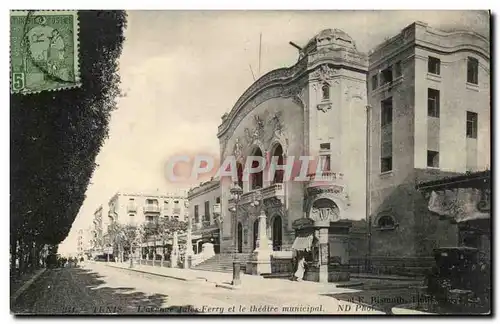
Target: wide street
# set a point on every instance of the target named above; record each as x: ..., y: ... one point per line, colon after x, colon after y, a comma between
x: 98, y: 289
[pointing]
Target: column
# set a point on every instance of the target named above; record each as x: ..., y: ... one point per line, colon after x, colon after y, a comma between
x: 262, y: 254
x: 189, y: 246
x: 323, y: 250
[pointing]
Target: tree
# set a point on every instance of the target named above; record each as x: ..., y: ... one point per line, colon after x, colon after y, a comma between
x: 166, y: 229
x: 55, y: 138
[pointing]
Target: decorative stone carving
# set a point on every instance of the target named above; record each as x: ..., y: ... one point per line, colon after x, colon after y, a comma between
x: 278, y: 133
x: 238, y: 148
x: 321, y: 190
x: 300, y: 98
x: 324, y: 73
x: 324, y: 107
x: 256, y: 133
x: 325, y: 214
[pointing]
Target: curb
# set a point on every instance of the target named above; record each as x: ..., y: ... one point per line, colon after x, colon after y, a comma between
x: 387, y: 278
x: 26, y: 285
x: 155, y: 274
x: 228, y: 286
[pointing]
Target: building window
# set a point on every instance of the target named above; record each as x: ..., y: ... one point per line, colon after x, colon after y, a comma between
x: 433, y: 103
x: 386, y: 164
x: 131, y: 215
x: 217, y: 201
x: 324, y: 146
x: 152, y: 202
x: 386, y: 223
x: 207, y: 211
x: 434, y: 65
x: 176, y: 202
x: 471, y: 127
x: 397, y: 69
x: 165, y: 205
x: 325, y: 162
x: 167, y: 217
x: 131, y: 200
x: 386, y: 111
x: 386, y: 135
x: 433, y: 159
x: 374, y: 81
x: 325, y: 91
x: 387, y: 76
x: 472, y: 70
x: 196, y: 214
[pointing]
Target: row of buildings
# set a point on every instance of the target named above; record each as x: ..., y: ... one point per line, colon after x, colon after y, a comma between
x: 415, y: 108
x: 130, y: 208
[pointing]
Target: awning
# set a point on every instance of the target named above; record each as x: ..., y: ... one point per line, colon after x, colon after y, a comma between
x: 460, y: 205
x: 302, y: 243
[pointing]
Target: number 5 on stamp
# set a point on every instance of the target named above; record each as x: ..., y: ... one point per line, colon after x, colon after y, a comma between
x: 18, y: 81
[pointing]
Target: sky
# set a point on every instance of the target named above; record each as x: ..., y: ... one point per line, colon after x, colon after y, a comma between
x: 182, y: 70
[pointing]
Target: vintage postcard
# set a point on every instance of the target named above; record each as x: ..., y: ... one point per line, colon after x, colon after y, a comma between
x: 250, y: 162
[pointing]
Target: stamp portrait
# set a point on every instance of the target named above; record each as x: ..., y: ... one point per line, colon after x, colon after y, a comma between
x: 43, y: 51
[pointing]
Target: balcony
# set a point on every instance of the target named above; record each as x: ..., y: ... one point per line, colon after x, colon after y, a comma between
x: 326, y: 179
x: 151, y: 209
x: 273, y: 191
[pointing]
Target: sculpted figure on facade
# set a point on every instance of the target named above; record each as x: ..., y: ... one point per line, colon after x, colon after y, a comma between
x: 325, y: 214
x: 238, y: 148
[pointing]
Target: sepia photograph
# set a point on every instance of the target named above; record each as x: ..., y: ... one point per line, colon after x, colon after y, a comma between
x: 250, y: 162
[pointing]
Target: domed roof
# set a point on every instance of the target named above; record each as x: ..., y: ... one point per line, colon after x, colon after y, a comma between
x: 330, y: 38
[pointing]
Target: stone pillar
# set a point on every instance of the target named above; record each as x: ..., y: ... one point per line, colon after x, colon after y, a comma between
x: 189, y: 245
x: 323, y: 249
x: 261, y: 257
x: 174, y: 256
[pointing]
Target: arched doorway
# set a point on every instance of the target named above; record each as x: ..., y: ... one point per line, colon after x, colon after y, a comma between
x: 240, y: 238
x: 278, y: 174
x: 277, y: 233
x: 255, y: 233
x: 258, y: 177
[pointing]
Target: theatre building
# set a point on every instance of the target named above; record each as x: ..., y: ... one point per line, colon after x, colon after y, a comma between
x: 416, y: 108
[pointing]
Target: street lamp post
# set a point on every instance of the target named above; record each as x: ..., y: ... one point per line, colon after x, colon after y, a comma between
x: 235, y: 192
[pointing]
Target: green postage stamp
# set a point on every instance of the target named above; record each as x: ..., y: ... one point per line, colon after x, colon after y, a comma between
x: 43, y: 51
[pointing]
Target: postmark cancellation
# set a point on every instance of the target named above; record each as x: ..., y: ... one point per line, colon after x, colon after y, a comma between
x: 44, y: 51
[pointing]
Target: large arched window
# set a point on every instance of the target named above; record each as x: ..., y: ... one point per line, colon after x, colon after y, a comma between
x: 257, y: 177
x: 278, y: 174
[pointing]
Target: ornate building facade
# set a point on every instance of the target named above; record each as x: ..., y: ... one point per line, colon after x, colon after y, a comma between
x: 372, y: 123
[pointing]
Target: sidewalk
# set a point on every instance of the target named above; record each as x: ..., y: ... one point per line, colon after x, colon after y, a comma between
x: 19, y: 285
x: 249, y: 283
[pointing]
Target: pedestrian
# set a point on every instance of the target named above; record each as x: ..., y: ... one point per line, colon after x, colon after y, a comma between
x: 301, y: 264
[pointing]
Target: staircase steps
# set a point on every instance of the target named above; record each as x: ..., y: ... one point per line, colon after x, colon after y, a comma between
x: 223, y: 262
